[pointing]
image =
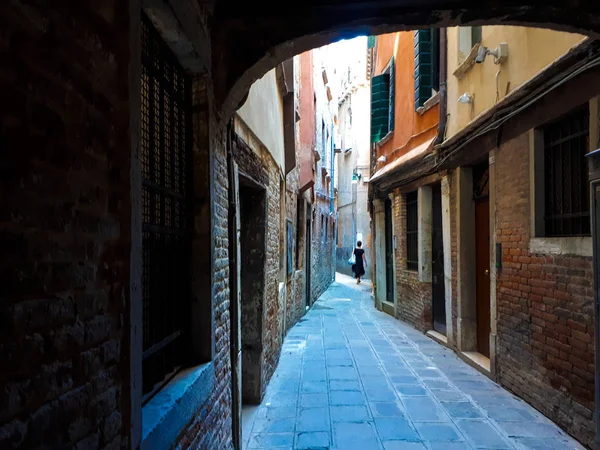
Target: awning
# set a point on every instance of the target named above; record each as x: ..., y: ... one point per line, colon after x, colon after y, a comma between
x: 395, y: 166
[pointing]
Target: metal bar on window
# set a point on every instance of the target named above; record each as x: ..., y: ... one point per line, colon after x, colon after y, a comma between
x: 166, y: 200
x: 566, y: 181
x: 412, y: 230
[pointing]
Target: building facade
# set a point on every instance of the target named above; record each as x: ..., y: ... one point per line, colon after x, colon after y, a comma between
x: 496, y: 227
x: 352, y: 154
x: 405, y: 102
x: 323, y: 201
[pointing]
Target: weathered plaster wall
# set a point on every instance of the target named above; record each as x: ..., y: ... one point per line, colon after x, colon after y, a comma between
x: 529, y: 51
x: 411, y: 128
x: 263, y: 114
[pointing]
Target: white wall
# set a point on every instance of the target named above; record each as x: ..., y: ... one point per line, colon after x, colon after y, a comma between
x: 263, y: 114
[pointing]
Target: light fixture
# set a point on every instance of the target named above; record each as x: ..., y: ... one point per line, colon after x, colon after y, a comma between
x: 466, y: 98
x: 500, y: 53
x: 381, y: 159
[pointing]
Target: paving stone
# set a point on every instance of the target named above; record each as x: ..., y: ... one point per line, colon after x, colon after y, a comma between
x: 395, y: 428
x: 313, y: 440
x: 461, y: 410
x: 345, y: 385
x: 355, y: 436
x: 313, y: 419
x: 314, y: 387
x: 313, y: 400
x: 386, y: 409
x: 404, y: 379
x: 482, y: 435
x: 410, y: 389
x: 262, y: 426
x: 438, y: 432
x: 403, y: 445
x: 342, y: 373
x: 424, y: 409
x: 275, y: 440
x: 352, y: 413
x: 347, y: 398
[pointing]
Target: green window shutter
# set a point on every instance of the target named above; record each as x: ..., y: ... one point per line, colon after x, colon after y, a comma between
x: 423, y: 66
x: 380, y: 105
x: 392, y: 101
x: 371, y: 41
x: 475, y: 35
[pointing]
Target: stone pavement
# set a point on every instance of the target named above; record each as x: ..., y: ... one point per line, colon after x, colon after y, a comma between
x: 351, y: 377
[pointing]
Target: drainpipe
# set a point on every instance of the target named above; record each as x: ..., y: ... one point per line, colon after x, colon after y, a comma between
x: 443, y: 87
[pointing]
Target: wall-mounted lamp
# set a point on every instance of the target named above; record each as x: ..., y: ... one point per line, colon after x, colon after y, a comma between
x: 466, y: 98
x: 381, y: 159
x: 500, y: 53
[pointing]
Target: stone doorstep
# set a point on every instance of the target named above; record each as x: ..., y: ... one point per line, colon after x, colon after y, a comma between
x: 476, y: 360
x: 438, y: 337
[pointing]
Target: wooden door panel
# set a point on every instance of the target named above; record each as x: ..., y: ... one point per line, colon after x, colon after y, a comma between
x: 482, y: 274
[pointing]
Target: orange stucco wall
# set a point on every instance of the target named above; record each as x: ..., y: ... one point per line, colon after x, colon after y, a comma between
x: 411, y: 128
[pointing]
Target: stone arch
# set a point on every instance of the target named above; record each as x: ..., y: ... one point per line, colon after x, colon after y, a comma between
x: 249, y: 39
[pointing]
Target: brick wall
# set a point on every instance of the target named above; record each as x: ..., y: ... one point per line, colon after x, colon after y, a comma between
x: 272, y: 314
x: 545, y: 309
x: 323, y: 264
x: 413, y: 297
x: 295, y: 298
x: 64, y: 224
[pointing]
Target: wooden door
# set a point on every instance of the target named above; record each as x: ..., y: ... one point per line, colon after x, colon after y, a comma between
x: 437, y: 264
x: 482, y: 274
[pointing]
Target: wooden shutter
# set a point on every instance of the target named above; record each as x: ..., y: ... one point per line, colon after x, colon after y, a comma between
x: 423, y: 66
x: 380, y: 105
x: 392, y: 96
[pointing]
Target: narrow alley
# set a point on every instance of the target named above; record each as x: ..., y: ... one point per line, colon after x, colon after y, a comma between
x: 351, y: 377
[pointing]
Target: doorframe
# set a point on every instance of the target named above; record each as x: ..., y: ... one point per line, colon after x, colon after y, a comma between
x: 447, y: 243
x: 466, y: 323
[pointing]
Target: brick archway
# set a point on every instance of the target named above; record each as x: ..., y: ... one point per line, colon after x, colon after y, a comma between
x: 249, y: 39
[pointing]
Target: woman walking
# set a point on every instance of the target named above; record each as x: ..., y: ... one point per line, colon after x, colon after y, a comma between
x: 360, y: 262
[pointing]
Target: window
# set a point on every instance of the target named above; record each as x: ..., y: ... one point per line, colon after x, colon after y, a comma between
x: 468, y: 37
x: 166, y: 194
x: 412, y: 231
x: 427, y: 76
x: 383, y: 93
x: 566, y: 191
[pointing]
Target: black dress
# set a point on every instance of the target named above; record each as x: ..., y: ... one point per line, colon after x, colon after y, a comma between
x: 358, y: 267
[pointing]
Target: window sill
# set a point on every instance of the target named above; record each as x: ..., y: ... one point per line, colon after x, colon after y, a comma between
x: 166, y: 415
x: 433, y: 100
x: 469, y: 62
x: 384, y: 139
x: 578, y: 246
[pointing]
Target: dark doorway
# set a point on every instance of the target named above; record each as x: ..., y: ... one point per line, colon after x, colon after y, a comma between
x: 252, y: 279
x: 482, y: 256
x: 308, y: 261
x: 389, y: 252
x: 437, y: 263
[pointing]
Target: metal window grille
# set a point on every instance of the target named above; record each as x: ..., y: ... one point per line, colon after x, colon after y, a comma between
x: 412, y: 230
x: 166, y: 193
x: 567, y: 204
